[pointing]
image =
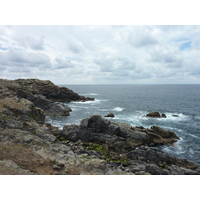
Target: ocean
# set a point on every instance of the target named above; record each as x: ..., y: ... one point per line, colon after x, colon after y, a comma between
x: 130, y: 103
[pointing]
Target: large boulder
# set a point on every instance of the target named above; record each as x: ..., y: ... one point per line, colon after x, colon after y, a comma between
x: 156, y: 115
x: 153, y: 114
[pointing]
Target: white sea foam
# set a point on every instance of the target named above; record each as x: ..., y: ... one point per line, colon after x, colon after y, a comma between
x: 89, y: 102
x: 94, y: 94
x: 194, y: 136
x: 118, y: 109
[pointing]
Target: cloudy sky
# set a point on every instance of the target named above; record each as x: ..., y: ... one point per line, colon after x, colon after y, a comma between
x: 79, y: 54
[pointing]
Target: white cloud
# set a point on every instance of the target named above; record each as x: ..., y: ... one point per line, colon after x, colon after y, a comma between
x: 101, y: 54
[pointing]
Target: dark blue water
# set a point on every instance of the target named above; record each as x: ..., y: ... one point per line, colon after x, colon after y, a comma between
x: 130, y: 103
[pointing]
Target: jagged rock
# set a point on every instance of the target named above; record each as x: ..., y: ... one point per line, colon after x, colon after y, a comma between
x: 44, y: 94
x: 176, y: 170
x: 175, y: 115
x: 155, y: 156
x: 50, y: 108
x: 110, y: 115
x: 157, y: 135
x: 163, y: 115
x: 97, y: 146
x: 14, y: 111
x: 49, y: 90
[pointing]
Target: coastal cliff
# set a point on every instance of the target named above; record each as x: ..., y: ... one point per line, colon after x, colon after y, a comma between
x: 44, y: 94
x: 30, y: 146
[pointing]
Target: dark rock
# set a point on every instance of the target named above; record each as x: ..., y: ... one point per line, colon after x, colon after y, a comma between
x: 155, y: 156
x: 158, y: 135
x: 175, y: 115
x: 156, y: 115
x: 176, y: 170
x: 50, y: 108
x: 155, y: 170
x: 49, y: 90
x: 164, y: 133
x: 150, y: 154
x: 153, y: 114
x: 110, y: 115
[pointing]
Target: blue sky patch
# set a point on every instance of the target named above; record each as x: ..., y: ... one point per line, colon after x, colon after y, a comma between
x: 1, y: 48
x: 185, y: 45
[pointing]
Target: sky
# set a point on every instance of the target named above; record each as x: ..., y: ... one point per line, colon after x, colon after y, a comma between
x: 101, y: 54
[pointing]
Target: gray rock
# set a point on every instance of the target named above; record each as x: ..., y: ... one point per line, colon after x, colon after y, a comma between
x: 176, y: 170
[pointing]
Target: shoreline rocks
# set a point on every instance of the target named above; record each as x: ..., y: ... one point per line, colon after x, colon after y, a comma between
x: 110, y: 115
x: 30, y: 146
x: 156, y: 115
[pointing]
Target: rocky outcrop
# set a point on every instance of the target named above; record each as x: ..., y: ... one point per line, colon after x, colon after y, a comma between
x: 49, y: 90
x: 110, y: 115
x: 97, y: 146
x: 50, y: 108
x: 30, y: 146
x: 156, y: 115
x: 44, y: 94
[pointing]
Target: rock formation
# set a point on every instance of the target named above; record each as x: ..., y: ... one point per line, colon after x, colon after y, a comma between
x: 110, y: 115
x: 44, y: 94
x: 30, y: 146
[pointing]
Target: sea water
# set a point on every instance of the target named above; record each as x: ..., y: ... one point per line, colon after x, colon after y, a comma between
x: 130, y: 103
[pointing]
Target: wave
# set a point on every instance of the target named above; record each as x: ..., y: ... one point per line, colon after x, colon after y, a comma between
x: 93, y: 94
x: 118, y: 109
x: 88, y: 102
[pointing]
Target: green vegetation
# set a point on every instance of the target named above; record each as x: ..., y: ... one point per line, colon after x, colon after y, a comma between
x: 33, y: 116
x: 63, y: 139
x: 105, y: 155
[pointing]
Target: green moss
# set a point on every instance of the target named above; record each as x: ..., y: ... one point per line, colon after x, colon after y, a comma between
x: 97, y: 147
x: 33, y: 116
x: 63, y: 139
x: 101, y: 149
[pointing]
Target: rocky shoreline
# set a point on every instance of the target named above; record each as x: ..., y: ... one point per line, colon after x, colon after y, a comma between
x: 30, y: 146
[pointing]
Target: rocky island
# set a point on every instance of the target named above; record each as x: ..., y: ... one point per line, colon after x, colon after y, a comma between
x: 29, y: 145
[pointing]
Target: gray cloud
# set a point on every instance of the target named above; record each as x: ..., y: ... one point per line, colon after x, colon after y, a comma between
x: 141, y: 37
x: 63, y: 64
x: 18, y: 58
x: 29, y: 41
x: 75, y: 46
x: 114, y: 63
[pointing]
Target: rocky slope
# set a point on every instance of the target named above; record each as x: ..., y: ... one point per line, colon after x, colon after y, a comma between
x: 30, y: 146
